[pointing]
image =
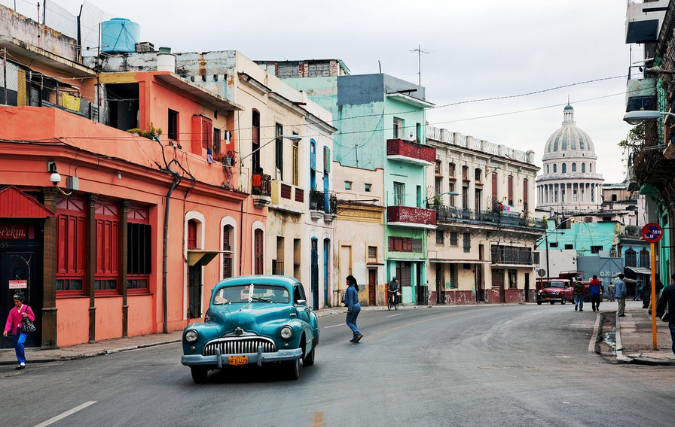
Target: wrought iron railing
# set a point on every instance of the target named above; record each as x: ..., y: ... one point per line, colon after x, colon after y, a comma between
x: 449, y: 213
x: 323, y: 201
x: 262, y: 185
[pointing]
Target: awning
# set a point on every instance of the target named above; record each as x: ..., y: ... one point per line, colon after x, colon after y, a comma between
x: 202, y: 257
x: 640, y: 270
x: 14, y: 203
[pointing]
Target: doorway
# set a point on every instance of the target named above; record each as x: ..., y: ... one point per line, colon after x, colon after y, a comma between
x: 372, y: 287
x: 19, y: 273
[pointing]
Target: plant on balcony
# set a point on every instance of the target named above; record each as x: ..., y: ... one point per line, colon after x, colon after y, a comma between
x: 313, y: 199
x: 151, y: 133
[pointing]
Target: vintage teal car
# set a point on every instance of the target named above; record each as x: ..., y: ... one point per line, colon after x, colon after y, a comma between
x: 253, y: 320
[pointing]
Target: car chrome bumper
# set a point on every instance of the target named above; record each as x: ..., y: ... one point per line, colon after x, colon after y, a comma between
x: 253, y: 358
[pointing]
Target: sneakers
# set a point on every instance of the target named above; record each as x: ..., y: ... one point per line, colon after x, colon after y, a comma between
x: 622, y: 315
x: 21, y: 366
x: 358, y: 338
x: 581, y: 309
x: 575, y: 307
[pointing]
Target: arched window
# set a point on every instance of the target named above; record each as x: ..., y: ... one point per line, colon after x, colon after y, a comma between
x: 555, y: 168
x: 548, y: 170
x: 581, y: 143
x: 574, y: 167
x: 564, y: 168
x: 630, y: 258
x: 590, y: 167
x: 583, y: 168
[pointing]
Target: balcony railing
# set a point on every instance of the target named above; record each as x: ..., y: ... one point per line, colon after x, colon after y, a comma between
x: 411, y: 216
x: 511, y: 255
x: 323, y: 201
x: 410, y: 152
x: 503, y: 218
x: 261, y: 189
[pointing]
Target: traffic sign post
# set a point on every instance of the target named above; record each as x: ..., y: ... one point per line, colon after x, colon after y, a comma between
x: 653, y: 233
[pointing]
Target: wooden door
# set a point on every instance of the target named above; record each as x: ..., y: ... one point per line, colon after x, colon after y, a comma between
x: 372, y: 287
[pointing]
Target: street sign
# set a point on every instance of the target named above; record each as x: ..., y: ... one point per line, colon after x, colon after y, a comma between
x: 652, y: 233
x: 542, y: 272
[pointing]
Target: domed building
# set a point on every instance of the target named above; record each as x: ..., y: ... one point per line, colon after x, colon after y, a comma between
x: 569, y: 181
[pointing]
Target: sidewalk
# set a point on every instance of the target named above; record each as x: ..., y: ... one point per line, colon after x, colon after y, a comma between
x: 634, y: 342
x: 634, y: 337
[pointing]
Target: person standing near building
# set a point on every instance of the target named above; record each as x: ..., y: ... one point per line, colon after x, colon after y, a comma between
x: 595, y: 287
x: 14, y: 321
x: 353, y: 308
x: 578, y: 295
x: 668, y: 299
x: 621, y: 294
x: 394, y: 287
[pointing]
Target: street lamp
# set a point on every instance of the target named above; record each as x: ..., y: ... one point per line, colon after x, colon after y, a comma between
x: 554, y: 231
x: 639, y: 116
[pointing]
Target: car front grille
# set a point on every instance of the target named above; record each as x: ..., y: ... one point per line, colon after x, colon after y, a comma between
x: 239, y: 346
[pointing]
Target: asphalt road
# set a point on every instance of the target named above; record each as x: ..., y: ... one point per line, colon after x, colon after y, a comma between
x: 506, y: 365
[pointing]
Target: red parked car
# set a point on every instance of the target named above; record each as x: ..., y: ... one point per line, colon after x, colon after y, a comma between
x: 553, y: 290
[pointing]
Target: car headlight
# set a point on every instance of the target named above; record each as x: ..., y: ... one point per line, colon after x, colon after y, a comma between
x: 191, y: 336
x: 286, y: 332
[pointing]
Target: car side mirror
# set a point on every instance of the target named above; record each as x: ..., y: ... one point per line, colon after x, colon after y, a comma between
x: 301, y: 302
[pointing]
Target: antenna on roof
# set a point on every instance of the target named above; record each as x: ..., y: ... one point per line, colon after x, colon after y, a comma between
x: 419, y: 61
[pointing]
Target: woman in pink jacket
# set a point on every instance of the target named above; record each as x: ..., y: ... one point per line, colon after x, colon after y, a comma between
x: 14, y: 321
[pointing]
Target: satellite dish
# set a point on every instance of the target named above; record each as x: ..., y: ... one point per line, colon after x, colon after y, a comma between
x: 542, y: 272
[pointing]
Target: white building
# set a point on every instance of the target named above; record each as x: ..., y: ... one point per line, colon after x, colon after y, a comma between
x: 569, y: 182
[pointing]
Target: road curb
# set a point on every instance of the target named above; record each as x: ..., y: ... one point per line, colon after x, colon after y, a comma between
x: 619, y: 345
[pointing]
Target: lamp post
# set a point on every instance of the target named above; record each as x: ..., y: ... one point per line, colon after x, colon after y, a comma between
x: 639, y: 116
x: 554, y: 231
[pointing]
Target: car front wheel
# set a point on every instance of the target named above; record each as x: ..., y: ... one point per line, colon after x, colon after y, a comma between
x: 308, y: 360
x: 293, y: 369
x: 199, y: 375
x: 538, y: 302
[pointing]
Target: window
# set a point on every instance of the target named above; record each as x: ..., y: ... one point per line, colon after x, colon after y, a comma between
x: 453, y: 238
x: 465, y: 173
x: 583, y: 168
x: 467, y: 242
x: 279, y: 153
x: 564, y: 168
x: 614, y: 197
x: 367, y: 187
x: 419, y: 132
x: 596, y: 249
x: 372, y: 253
x: 405, y: 244
x: 70, y: 245
x: 258, y: 267
x: 255, y: 141
x: 296, y: 162
x: 548, y: 169
x: 106, y: 276
x: 451, y: 189
x: 348, y: 185
x: 525, y: 195
x: 173, y: 125
x: 228, y: 236
x: 287, y: 71
x: 397, y: 128
x: 437, y: 167
x: 590, y: 167
x: 439, y: 237
x: 631, y: 258
x: 319, y: 70
x: 216, y: 141
x: 555, y: 168
x: 399, y: 194
x: 477, y: 175
x: 553, y: 245
x: 451, y: 170
x: 495, y: 197
x: 139, y: 249
x: 574, y: 167
x: 513, y: 278
x: 510, y: 184
x: 568, y: 246
x: 645, y: 260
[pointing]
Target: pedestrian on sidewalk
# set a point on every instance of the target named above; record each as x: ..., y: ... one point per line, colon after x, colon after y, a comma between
x: 638, y: 291
x: 14, y: 321
x: 353, y: 308
x: 578, y: 295
x: 659, y: 288
x: 610, y: 291
x: 668, y: 298
x: 621, y: 294
x: 595, y: 288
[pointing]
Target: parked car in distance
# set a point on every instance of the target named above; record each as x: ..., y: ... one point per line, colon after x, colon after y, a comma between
x: 253, y: 320
x: 552, y: 290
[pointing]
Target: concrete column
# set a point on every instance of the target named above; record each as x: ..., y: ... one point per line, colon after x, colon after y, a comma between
x: 49, y: 319
x: 124, y: 225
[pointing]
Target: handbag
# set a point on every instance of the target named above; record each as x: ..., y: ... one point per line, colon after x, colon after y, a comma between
x: 27, y: 327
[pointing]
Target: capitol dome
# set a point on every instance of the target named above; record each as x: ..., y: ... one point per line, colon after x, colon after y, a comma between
x: 569, y: 179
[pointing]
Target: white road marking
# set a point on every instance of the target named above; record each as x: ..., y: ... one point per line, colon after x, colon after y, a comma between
x: 486, y: 337
x: 333, y: 326
x: 65, y: 414
x: 393, y: 315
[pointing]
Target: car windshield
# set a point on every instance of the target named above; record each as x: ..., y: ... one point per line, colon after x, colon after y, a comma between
x: 556, y: 285
x: 260, y: 293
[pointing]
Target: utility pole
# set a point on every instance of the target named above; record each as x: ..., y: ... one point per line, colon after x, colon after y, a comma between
x: 419, y: 61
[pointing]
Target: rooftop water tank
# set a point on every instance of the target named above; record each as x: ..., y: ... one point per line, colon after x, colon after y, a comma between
x: 119, y: 35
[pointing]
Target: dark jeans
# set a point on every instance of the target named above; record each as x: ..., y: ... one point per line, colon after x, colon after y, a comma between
x: 671, y: 325
x: 595, y: 302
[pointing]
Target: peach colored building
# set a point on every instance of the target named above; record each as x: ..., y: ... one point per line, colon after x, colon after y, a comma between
x: 106, y: 232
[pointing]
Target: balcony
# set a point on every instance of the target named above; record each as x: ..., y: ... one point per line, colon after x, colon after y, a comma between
x: 446, y: 214
x: 322, y: 205
x: 410, y: 152
x: 287, y: 198
x: 261, y: 190
x: 407, y: 216
x: 640, y: 90
x: 644, y: 19
x: 511, y: 255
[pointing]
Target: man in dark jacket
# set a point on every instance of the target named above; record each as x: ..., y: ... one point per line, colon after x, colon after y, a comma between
x: 578, y: 294
x: 595, y: 287
x: 668, y: 298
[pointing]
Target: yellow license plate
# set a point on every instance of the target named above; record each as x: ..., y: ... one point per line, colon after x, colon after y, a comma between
x: 237, y: 360
x: 548, y: 299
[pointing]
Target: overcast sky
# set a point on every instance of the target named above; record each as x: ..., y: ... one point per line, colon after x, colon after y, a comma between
x: 475, y: 50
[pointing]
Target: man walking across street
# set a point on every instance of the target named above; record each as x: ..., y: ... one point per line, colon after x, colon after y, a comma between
x: 578, y: 294
x: 620, y: 289
x: 668, y: 298
x: 596, y: 290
